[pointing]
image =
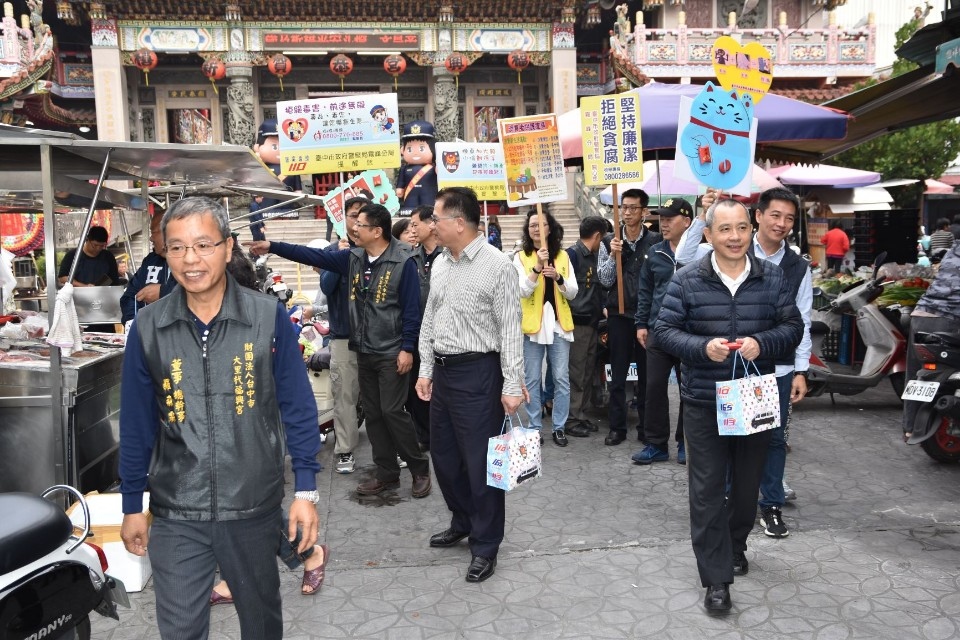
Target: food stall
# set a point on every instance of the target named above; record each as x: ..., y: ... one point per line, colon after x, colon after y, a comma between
x: 58, y: 410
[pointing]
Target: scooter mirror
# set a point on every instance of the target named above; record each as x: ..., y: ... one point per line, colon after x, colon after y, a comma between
x: 877, y: 262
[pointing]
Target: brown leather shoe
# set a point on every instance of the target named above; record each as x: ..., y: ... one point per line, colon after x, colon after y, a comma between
x: 374, y: 486
x: 421, y: 486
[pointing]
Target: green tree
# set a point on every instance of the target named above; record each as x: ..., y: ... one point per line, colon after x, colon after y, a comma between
x: 924, y: 151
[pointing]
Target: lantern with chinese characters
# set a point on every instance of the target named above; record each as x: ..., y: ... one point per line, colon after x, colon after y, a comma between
x: 279, y: 65
x: 456, y: 63
x: 518, y: 60
x: 215, y: 70
x: 395, y: 65
x: 341, y: 66
x: 145, y: 60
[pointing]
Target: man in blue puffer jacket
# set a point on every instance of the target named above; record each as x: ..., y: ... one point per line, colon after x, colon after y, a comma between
x: 729, y: 296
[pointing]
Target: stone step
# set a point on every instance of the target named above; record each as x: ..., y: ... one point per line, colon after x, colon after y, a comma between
x: 566, y: 216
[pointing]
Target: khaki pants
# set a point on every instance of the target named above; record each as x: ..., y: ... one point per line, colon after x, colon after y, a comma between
x: 346, y: 392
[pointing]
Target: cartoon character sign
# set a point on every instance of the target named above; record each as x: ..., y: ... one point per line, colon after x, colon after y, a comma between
x: 382, y: 123
x: 716, y: 141
x: 451, y: 160
x: 295, y: 129
x: 417, y: 184
x: 268, y: 149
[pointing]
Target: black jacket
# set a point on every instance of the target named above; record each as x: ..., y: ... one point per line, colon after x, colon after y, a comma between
x: 698, y: 307
x: 655, y: 274
x: 632, y: 260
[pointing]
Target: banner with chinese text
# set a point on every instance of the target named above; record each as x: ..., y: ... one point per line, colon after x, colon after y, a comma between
x: 532, y: 159
x: 612, y: 152
x: 478, y: 166
x: 346, y: 133
x: 373, y: 185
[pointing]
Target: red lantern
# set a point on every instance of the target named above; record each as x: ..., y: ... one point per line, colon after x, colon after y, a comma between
x: 395, y: 65
x: 456, y: 63
x: 145, y: 60
x: 215, y: 70
x: 518, y: 60
x: 279, y: 65
x: 341, y: 65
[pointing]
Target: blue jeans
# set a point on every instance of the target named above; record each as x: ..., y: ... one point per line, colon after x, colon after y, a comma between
x: 546, y: 394
x: 558, y: 356
x: 771, y: 482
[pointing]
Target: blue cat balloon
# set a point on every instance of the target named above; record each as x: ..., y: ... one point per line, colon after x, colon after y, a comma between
x: 716, y: 141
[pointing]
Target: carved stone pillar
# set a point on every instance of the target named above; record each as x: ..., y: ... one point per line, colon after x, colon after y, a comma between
x: 242, y: 126
x: 446, y: 117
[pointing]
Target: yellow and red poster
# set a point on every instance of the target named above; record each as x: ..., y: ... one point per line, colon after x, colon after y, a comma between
x: 346, y: 133
x: 612, y: 151
x: 532, y: 159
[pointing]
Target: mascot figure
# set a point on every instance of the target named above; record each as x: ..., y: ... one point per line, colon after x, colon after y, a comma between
x: 417, y: 184
x: 268, y: 150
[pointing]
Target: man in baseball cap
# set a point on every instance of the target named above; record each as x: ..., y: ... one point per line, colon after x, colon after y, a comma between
x: 676, y: 214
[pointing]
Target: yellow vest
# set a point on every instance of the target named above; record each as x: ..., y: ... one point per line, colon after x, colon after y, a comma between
x: 532, y: 305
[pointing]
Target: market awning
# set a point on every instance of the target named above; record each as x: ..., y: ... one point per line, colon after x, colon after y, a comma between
x: 917, y: 97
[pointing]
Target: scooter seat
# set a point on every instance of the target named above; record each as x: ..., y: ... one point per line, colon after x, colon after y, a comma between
x: 30, y: 528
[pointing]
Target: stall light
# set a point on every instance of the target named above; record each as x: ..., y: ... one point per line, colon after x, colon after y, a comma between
x: 84, y: 129
x: 28, y: 123
x: 305, y: 52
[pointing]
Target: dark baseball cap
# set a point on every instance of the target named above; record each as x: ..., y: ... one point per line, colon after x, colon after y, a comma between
x: 674, y: 207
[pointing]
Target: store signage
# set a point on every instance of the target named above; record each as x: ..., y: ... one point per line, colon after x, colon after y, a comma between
x: 341, y: 40
x: 187, y: 93
x: 483, y: 93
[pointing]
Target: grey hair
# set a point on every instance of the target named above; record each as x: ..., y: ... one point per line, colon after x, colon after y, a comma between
x: 197, y: 206
x: 725, y: 202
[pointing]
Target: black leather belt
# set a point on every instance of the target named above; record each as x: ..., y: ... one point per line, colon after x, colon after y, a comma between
x: 457, y: 358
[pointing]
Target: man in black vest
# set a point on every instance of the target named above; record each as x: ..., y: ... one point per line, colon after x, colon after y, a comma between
x: 427, y: 250
x: 777, y: 210
x: 621, y: 333
x: 587, y: 309
x: 384, y: 324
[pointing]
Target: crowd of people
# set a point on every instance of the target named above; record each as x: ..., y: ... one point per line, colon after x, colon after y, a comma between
x: 437, y: 336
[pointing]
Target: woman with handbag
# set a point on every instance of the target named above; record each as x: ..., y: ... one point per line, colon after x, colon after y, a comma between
x: 546, y: 284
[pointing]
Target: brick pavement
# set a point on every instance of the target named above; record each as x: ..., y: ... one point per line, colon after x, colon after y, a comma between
x: 599, y: 548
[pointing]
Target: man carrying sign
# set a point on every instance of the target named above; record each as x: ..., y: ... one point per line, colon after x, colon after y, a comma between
x: 621, y: 332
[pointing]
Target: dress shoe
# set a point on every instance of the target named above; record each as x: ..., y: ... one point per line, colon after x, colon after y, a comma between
x: 421, y: 486
x: 615, y: 437
x: 590, y: 424
x: 374, y: 486
x: 447, y: 538
x: 717, y: 598
x: 740, y: 565
x: 577, y: 430
x: 481, y: 568
x: 560, y: 438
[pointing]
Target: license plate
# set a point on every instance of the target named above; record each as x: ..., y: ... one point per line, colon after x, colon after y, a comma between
x: 119, y: 593
x: 920, y: 391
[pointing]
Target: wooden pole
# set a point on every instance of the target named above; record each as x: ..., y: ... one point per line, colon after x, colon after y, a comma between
x: 619, y: 255
x: 542, y: 221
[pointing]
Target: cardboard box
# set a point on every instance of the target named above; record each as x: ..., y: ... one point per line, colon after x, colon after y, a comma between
x: 106, y: 516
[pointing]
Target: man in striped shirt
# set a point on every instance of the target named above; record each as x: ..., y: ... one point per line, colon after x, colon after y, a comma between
x: 471, y: 371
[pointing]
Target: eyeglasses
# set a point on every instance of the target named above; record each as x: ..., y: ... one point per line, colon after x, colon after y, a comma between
x: 631, y: 207
x: 368, y: 226
x: 202, y: 248
x: 438, y: 218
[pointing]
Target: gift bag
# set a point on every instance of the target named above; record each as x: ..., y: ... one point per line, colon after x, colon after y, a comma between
x: 513, y: 456
x: 747, y: 405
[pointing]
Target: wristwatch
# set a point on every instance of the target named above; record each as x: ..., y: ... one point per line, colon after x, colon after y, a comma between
x: 559, y: 280
x: 309, y: 496
x: 805, y: 374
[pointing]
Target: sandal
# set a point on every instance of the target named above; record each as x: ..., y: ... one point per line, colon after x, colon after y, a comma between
x: 216, y: 598
x: 313, y: 578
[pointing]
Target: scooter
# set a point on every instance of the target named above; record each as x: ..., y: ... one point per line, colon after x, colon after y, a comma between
x: 50, y: 578
x: 886, y: 354
x: 271, y: 281
x: 937, y: 425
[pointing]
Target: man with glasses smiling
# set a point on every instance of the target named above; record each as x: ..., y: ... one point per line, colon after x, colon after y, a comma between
x: 384, y: 323
x: 213, y: 384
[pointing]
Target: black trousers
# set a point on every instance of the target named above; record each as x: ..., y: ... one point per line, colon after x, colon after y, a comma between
x: 718, y: 529
x: 624, y: 349
x: 465, y: 412
x: 383, y: 393
x: 418, y: 409
x: 656, y: 428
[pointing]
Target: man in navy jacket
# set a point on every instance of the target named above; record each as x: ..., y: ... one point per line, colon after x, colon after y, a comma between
x: 727, y: 297
x: 152, y: 280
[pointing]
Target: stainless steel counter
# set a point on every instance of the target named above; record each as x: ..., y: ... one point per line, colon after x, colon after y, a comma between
x: 83, y: 451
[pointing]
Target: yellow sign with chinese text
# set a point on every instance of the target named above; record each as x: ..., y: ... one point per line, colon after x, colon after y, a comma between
x: 612, y: 151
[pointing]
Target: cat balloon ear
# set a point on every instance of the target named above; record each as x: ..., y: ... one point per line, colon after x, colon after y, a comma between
x: 708, y: 87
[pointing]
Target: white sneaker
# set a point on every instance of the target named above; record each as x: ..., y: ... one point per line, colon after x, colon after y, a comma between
x: 403, y: 465
x: 788, y: 493
x: 345, y: 463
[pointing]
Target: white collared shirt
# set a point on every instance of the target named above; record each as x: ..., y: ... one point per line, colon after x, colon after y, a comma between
x: 732, y: 283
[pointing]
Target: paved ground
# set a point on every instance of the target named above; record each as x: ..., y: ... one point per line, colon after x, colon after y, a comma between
x: 599, y: 548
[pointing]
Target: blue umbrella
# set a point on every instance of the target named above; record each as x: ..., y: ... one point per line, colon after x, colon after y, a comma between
x: 779, y: 119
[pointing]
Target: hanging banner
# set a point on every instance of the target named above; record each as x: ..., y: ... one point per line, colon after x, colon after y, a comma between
x: 479, y: 166
x: 532, y: 159
x: 612, y: 151
x: 346, y: 133
x: 373, y: 185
